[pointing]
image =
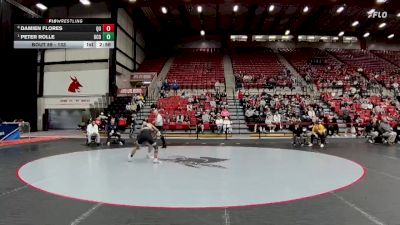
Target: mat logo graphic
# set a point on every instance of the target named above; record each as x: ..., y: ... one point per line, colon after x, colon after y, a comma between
x: 197, y: 162
x: 74, y: 86
x: 377, y: 14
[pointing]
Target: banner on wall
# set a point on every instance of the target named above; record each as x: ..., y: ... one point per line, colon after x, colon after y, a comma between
x: 143, y: 76
x: 71, y: 102
x: 130, y: 91
x: 76, y: 83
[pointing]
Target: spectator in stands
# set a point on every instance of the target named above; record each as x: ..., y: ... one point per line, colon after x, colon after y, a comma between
x: 122, y: 123
x: 165, y: 85
x: 217, y: 86
x: 219, y: 122
x: 134, y: 107
x: 180, y: 118
x: 249, y: 114
x: 140, y: 103
x: 240, y: 97
x: 128, y: 107
x: 205, y: 117
x: 175, y: 87
x: 318, y: 131
x: 311, y: 114
x: 227, y: 125
x: 277, y: 120
x: 189, y: 107
x: 153, y: 106
x: 92, y: 130
x: 269, y: 122
x: 225, y: 113
x: 200, y: 125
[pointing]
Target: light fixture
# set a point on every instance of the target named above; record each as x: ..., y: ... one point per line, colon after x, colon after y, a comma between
x: 311, y: 37
x: 305, y: 9
x: 324, y: 38
x: 366, y: 35
x: 287, y: 32
x: 85, y: 2
x: 391, y: 36
x: 164, y: 10
x: 380, y: 1
x: 398, y: 14
x: 199, y: 9
x: 272, y: 37
x: 235, y: 8
x: 258, y: 37
x: 202, y: 33
x: 41, y: 6
x: 335, y: 38
x: 132, y: 1
x: 355, y: 23
x: 341, y: 33
x: 382, y: 25
x: 271, y: 8
x: 340, y: 9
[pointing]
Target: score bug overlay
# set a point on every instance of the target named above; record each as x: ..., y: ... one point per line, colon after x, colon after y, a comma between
x: 64, y: 33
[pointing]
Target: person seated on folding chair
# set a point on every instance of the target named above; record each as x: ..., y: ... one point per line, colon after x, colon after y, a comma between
x: 373, y: 134
x: 298, y: 138
x: 92, y: 130
x: 113, y: 132
x: 386, y: 131
x: 318, y: 132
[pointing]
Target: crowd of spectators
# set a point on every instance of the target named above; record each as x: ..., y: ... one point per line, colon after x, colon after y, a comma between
x: 358, y: 110
x: 282, y: 79
x: 205, y: 111
x: 271, y: 113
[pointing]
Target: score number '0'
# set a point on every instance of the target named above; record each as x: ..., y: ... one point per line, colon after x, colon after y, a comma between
x: 106, y: 28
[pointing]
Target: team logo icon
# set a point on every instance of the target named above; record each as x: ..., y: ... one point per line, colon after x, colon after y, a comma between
x: 196, y: 162
x: 74, y: 86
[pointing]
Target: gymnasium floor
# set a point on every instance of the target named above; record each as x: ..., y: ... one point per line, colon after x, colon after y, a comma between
x: 371, y: 199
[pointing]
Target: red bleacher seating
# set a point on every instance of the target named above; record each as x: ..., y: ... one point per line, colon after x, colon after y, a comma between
x: 354, y: 107
x: 152, y: 65
x: 373, y: 66
x: 261, y: 64
x: 197, y: 69
x: 323, y: 77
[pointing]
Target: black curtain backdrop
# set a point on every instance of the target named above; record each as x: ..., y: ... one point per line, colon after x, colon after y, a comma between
x: 18, y: 71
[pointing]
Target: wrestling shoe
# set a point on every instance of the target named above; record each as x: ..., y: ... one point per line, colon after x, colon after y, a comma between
x: 156, y: 161
x: 130, y: 157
